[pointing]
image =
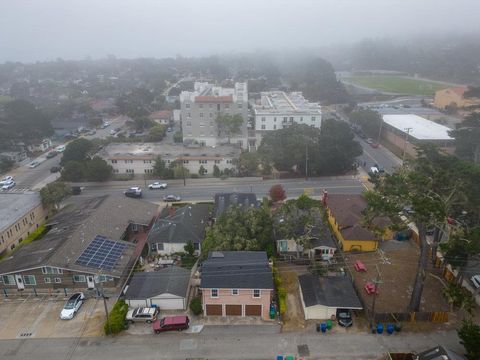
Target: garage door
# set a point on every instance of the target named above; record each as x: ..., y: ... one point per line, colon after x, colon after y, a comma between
x: 214, y: 310
x: 253, y: 310
x: 233, y: 310
x: 168, y: 304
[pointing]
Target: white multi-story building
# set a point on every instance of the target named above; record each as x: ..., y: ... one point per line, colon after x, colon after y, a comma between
x: 139, y: 158
x: 278, y: 110
x: 200, y: 108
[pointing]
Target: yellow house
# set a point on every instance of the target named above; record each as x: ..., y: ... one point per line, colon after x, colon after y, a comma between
x: 345, y: 216
x: 454, y: 96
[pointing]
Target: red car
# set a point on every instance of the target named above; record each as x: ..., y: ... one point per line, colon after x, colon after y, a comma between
x: 171, y: 323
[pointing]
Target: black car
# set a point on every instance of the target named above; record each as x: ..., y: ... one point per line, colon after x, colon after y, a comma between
x: 55, y: 169
x: 76, y: 190
x: 344, y: 317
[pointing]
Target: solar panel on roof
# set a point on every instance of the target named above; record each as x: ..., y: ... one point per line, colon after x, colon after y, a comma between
x: 102, y: 253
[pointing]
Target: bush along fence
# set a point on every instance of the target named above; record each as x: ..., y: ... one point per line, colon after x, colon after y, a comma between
x: 116, y: 318
x: 281, y: 292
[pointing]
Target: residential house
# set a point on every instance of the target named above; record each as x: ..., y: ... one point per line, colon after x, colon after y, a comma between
x: 16, y: 156
x: 20, y: 215
x: 96, y: 241
x: 200, y: 108
x: 346, y: 218
x: 174, y: 228
x: 455, y: 97
x: 40, y: 146
x: 321, y: 296
x: 438, y: 353
x: 166, y: 288
x: 138, y: 158
x: 236, y: 283
x: 223, y: 201
x: 163, y: 117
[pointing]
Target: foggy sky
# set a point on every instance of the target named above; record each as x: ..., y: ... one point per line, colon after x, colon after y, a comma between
x: 73, y: 29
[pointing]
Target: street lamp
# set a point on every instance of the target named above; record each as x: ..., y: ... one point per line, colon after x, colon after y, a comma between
x: 407, y: 132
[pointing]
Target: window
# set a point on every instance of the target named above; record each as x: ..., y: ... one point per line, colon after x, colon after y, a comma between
x: 185, y: 161
x: 187, y: 105
x: 202, y: 124
x: 256, y: 293
x: 160, y: 246
x: 51, y: 270
x: 263, y: 118
x: 275, y: 119
x: 291, y: 118
x: 274, y: 127
x: 201, y: 115
x: 217, y: 161
x: 188, y: 115
x: 148, y: 171
x: 128, y: 161
x: 211, y: 123
x: 29, y: 280
x: 47, y: 280
x: 130, y: 171
x: 8, y: 279
x: 78, y: 278
x: 263, y: 127
x: 234, y: 291
x: 214, y: 293
x: 189, y: 123
x: 285, y: 119
x: 301, y: 118
x: 200, y: 106
x: 239, y: 106
x: 103, y: 278
x: 229, y: 161
x: 202, y: 161
x: 114, y: 161
x: 313, y: 118
x: 211, y: 115
x: 227, y: 106
x: 58, y: 281
x: 147, y: 161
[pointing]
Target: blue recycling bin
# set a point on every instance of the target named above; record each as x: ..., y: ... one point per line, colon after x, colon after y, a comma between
x: 279, y: 357
x: 323, y: 327
x: 390, y: 328
x: 379, y: 328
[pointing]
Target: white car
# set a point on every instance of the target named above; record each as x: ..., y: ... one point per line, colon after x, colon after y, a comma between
x: 72, y: 306
x: 157, y: 185
x: 476, y: 281
x: 60, y: 148
x: 8, y: 185
x: 33, y: 164
x: 6, y: 179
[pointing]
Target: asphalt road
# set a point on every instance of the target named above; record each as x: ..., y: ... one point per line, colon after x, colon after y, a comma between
x: 227, y: 342
x: 380, y: 156
x: 204, y: 189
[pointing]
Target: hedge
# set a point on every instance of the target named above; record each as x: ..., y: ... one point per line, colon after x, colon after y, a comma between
x: 196, y: 305
x: 116, y: 318
x: 281, y: 292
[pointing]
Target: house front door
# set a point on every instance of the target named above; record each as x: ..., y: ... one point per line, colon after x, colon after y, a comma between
x: 90, y: 282
x: 19, y: 280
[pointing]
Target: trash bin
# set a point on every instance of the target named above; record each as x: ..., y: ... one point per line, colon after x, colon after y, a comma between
x: 279, y: 357
x: 290, y: 357
x: 329, y: 324
x: 390, y: 328
x: 323, y: 327
x: 379, y: 328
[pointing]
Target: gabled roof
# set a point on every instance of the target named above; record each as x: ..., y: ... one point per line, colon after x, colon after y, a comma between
x: 185, y: 224
x: 75, y: 227
x: 236, y: 270
x: 223, y: 201
x: 439, y: 353
x: 170, y: 280
x: 332, y: 291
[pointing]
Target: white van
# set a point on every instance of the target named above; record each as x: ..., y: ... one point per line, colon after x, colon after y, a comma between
x: 60, y: 148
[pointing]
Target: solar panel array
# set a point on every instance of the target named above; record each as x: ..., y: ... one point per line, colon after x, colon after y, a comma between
x: 102, y: 253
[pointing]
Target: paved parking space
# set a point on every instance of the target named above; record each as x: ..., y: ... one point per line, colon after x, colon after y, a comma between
x: 39, y: 317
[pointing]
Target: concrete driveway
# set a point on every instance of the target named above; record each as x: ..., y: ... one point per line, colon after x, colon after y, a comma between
x: 39, y: 317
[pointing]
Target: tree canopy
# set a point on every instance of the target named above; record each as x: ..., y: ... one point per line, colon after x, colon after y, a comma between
x: 369, y: 120
x: 52, y: 194
x: 228, y: 124
x: 467, y: 138
x: 77, y: 150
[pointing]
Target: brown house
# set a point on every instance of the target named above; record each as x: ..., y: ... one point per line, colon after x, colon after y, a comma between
x: 93, y: 243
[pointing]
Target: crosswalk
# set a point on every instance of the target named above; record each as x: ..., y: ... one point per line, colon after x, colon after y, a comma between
x: 15, y: 190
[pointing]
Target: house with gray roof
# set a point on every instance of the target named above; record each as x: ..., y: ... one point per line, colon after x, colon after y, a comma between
x: 236, y: 283
x: 96, y: 241
x: 166, y: 288
x: 223, y: 201
x: 175, y: 227
x: 20, y: 215
x: 321, y: 296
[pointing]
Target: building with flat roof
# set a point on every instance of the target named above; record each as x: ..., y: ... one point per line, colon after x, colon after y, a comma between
x: 20, y: 215
x: 278, y: 110
x: 200, y: 108
x: 407, y: 131
x: 139, y: 158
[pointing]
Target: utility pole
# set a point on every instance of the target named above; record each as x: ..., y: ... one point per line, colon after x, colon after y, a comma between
x: 376, y: 282
x: 306, y: 161
x: 380, y: 131
x: 407, y: 132
x: 104, y: 302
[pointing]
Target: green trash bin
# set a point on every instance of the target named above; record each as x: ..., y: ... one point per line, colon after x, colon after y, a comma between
x: 329, y: 324
x: 290, y: 357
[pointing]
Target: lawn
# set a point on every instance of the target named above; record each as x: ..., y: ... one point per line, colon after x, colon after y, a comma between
x: 5, y: 99
x: 397, y: 84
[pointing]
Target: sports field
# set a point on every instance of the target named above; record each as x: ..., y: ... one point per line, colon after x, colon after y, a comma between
x: 4, y: 99
x: 397, y: 84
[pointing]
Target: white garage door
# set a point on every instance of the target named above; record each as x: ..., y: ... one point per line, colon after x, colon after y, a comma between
x: 168, y: 304
x: 138, y: 303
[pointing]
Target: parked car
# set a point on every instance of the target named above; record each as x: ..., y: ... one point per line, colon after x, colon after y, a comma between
x: 476, y: 281
x: 113, y: 132
x: 51, y: 154
x: 5, y: 180
x: 157, y: 185
x: 374, y: 145
x: 33, y: 164
x: 369, y: 141
x: 8, y: 185
x: 143, y: 314
x: 72, y: 306
x: 171, y: 323
x: 55, y: 169
x: 374, y: 170
x: 135, y: 192
x: 171, y: 198
x: 344, y: 317
x: 60, y: 148
x: 76, y: 190
x: 169, y: 129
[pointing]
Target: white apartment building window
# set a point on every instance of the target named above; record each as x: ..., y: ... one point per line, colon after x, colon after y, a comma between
x: 240, y: 106
x: 202, y: 124
x: 187, y: 105
x: 201, y: 114
x: 185, y: 161
x: 29, y: 280
x: 8, y: 279
x: 211, y: 115
x: 188, y: 115
x: 148, y: 171
x: 214, y: 293
x: 116, y: 171
x: 291, y: 118
x: 130, y: 171
x: 47, y: 280
x: 202, y: 161
x: 229, y: 161
x: 227, y: 106
x: 301, y: 118
x: 147, y: 161
x: 274, y: 127
x: 211, y: 123
x: 128, y: 161
x: 256, y: 293
x: 275, y: 119
x: 263, y: 127
x: 313, y: 118
x: 103, y: 278
x: 285, y: 119
x: 78, y: 278
x: 263, y: 118
x: 58, y: 281
x: 200, y: 106
x: 217, y: 161
x: 189, y: 123
x: 234, y: 291
x: 210, y: 105
x: 114, y: 161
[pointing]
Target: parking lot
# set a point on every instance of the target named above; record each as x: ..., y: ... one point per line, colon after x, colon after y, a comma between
x: 38, y: 317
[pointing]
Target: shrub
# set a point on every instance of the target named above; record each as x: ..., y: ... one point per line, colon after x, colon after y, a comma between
x: 277, y: 193
x: 116, y: 318
x: 194, y: 176
x: 196, y: 305
x: 469, y: 334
